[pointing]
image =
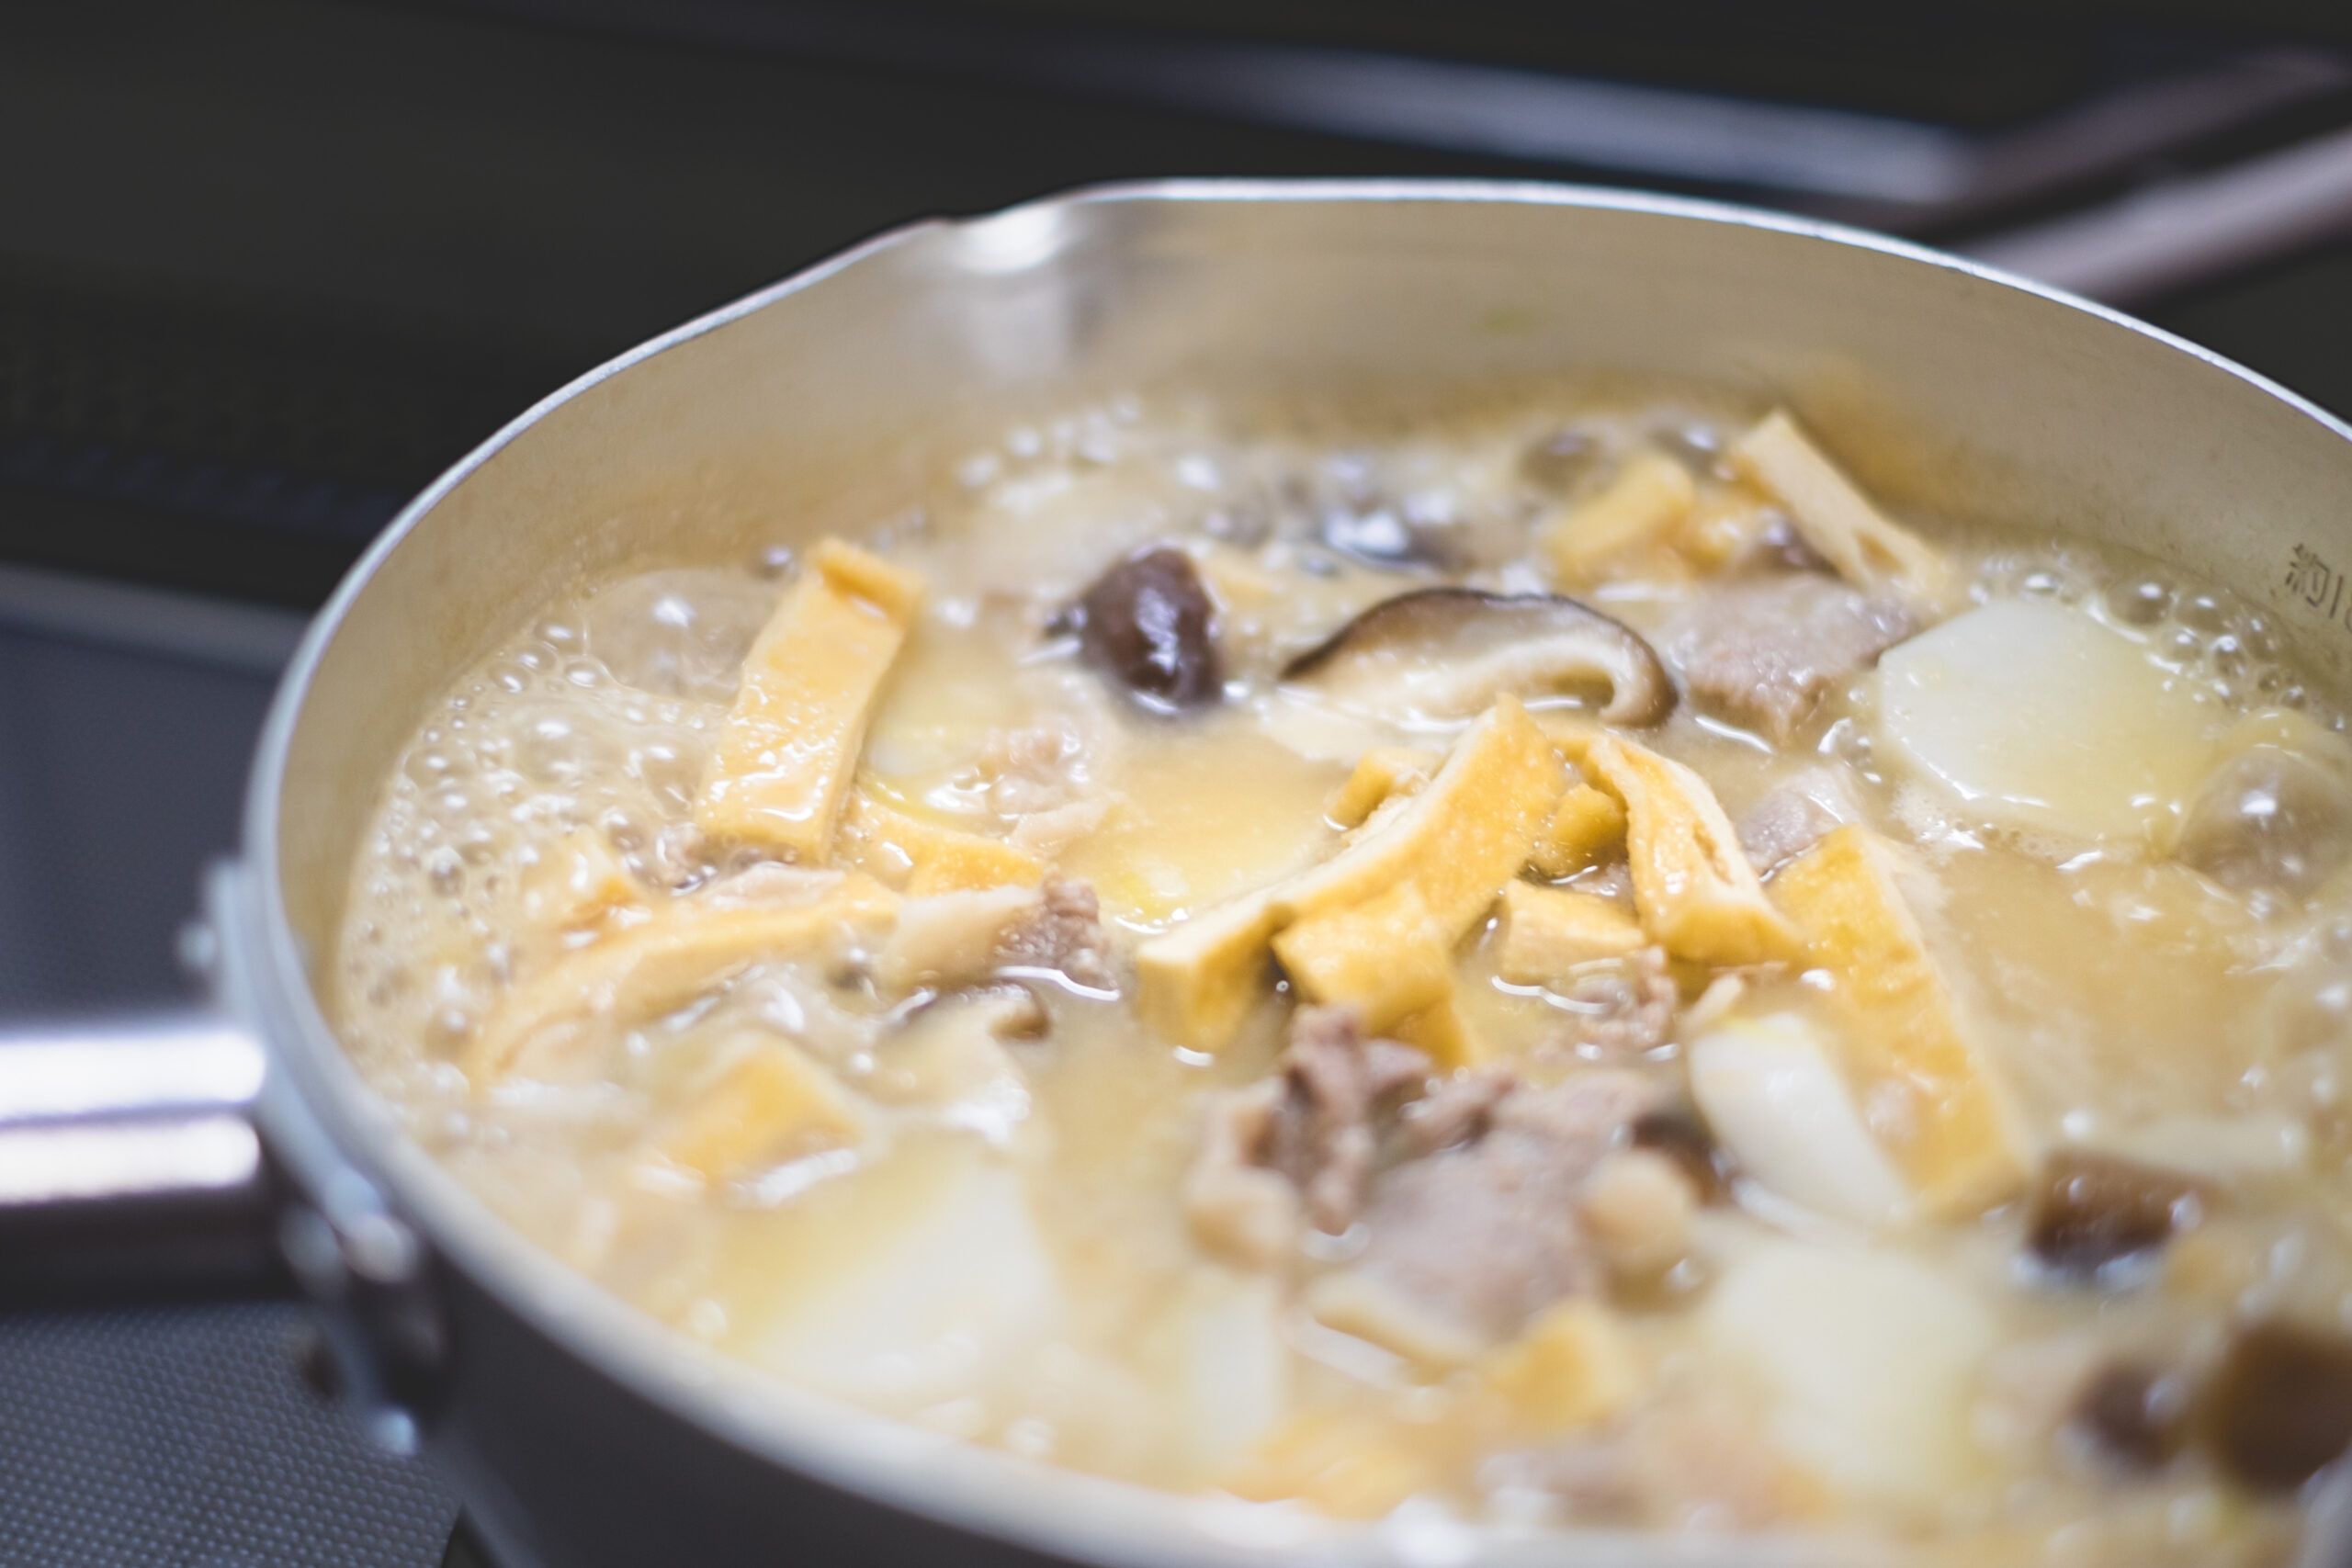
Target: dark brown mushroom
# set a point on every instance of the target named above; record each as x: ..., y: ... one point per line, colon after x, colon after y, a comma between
x: 2132, y: 1414
x: 2093, y: 1210
x: 1145, y: 623
x: 1448, y: 652
x: 2279, y: 1409
x: 1679, y: 1132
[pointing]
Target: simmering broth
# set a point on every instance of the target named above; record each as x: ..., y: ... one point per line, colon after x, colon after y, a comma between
x: 1550, y: 963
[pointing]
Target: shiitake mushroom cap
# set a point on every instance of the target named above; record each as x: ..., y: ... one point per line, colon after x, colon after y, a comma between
x: 1448, y: 652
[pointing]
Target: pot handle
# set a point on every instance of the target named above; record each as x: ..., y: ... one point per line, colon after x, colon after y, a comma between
x: 130, y: 1165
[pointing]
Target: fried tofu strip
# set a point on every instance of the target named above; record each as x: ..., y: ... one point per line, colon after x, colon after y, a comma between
x: 921, y: 858
x: 1928, y: 1094
x: 1385, y: 955
x: 1588, y: 825
x: 1869, y: 550
x: 1458, y: 841
x: 634, y: 975
x: 1698, y: 895
x: 772, y: 1102
x: 1549, y: 932
x: 1645, y: 504
x: 791, y: 743
x: 1382, y: 772
x: 1392, y: 961
x: 1574, y: 1368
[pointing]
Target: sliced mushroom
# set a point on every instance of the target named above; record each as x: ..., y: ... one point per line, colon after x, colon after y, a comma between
x: 1448, y: 652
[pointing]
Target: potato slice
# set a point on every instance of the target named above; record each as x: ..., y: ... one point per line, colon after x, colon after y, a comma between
x: 1550, y: 932
x: 1869, y: 550
x: 1573, y: 1369
x: 1381, y: 772
x: 773, y: 1101
x: 1588, y: 825
x: 923, y: 857
x: 1698, y: 895
x: 786, y: 753
x: 1458, y: 841
x: 634, y: 975
x: 1928, y: 1094
x: 1631, y: 519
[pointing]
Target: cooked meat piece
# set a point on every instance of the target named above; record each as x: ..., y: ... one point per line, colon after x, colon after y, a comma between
x: 1325, y: 1137
x: 1031, y: 769
x: 1764, y: 654
x: 1236, y: 1207
x: 1621, y: 1010
x: 1456, y: 1111
x: 1064, y: 933
x: 2132, y: 1414
x: 1312, y: 1130
x: 1484, y: 1235
x: 1145, y: 623
x: 1794, y: 815
x: 2091, y: 1210
x: 2279, y: 1408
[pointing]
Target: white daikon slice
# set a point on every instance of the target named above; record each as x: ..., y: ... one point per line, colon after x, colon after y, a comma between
x: 1235, y: 1366
x: 2245, y: 1146
x: 1769, y: 1092
x: 2037, y: 717
x: 1867, y: 1362
x: 949, y: 1280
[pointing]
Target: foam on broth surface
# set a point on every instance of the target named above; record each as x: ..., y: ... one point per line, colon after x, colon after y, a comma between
x: 928, y: 1155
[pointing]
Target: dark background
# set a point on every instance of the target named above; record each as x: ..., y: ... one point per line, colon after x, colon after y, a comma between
x: 267, y: 267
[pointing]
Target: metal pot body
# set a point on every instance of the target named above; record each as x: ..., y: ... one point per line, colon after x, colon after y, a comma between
x: 584, y: 1436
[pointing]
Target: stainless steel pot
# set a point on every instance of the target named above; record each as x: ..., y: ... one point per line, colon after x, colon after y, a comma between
x: 581, y: 1436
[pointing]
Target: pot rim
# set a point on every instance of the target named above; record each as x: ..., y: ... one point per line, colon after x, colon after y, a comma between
x: 985, y: 1491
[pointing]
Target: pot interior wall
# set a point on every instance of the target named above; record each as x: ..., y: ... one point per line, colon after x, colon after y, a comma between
x: 819, y: 407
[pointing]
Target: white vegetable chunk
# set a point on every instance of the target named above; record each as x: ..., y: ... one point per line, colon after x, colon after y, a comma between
x: 1867, y: 1361
x: 951, y: 1282
x: 1235, y: 1367
x: 2249, y: 1146
x: 2039, y: 718
x: 1777, y: 1103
